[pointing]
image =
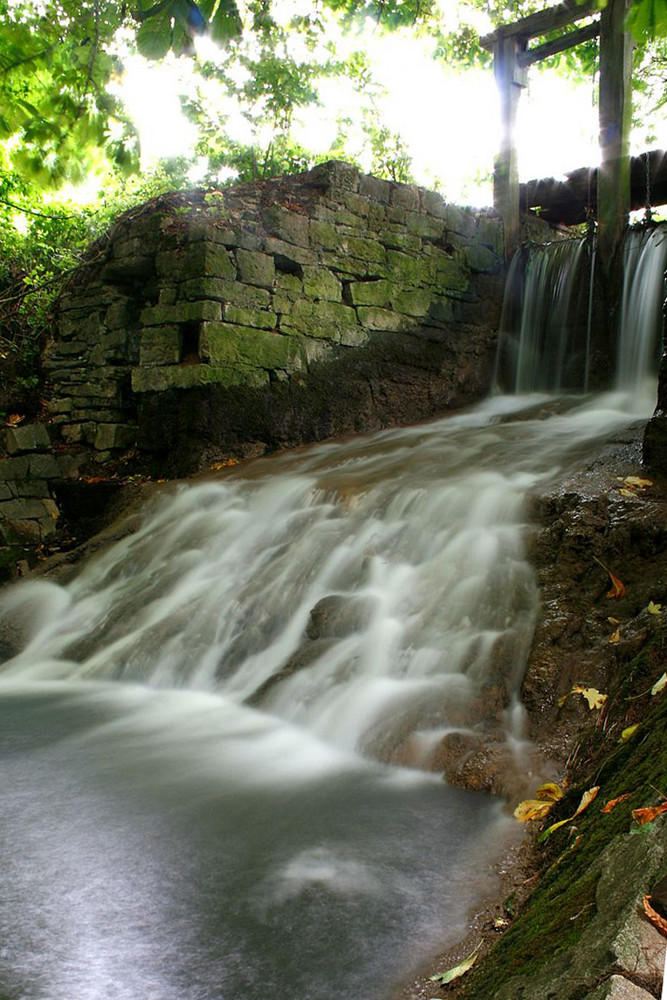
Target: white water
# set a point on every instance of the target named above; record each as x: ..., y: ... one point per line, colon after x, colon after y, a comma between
x: 160, y: 838
x: 540, y: 349
x: 640, y: 328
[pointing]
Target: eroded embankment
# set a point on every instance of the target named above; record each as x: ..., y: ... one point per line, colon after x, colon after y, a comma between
x: 572, y: 924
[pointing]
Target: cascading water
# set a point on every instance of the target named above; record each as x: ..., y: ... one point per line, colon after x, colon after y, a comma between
x: 201, y: 734
x: 541, y: 348
x: 640, y: 327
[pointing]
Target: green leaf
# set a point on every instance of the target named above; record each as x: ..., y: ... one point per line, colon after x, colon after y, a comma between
x: 154, y: 37
x: 225, y: 23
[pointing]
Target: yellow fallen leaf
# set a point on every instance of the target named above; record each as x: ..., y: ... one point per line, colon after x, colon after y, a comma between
x: 637, y: 481
x: 627, y: 493
x: 458, y: 970
x: 586, y: 800
x: 628, y: 733
x: 615, y: 636
x: 654, y: 609
x: 532, y: 809
x: 549, y: 792
x: 659, y: 685
x: 613, y: 621
x: 594, y: 698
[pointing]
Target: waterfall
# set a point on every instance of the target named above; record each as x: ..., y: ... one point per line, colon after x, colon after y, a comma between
x: 212, y: 737
x: 640, y: 325
x: 541, y: 347
x: 216, y: 740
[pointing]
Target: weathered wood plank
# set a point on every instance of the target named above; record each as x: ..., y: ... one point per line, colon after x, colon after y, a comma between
x: 567, y: 201
x: 543, y: 21
x: 557, y: 45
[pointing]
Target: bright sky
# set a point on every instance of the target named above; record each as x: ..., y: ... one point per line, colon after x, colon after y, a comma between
x: 448, y: 120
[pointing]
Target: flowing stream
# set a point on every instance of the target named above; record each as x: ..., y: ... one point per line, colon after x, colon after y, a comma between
x: 211, y: 739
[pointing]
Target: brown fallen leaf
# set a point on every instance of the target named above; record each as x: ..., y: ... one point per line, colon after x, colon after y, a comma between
x: 608, y: 806
x: 617, y: 588
x: 647, y: 815
x: 658, y: 922
x: 14, y: 419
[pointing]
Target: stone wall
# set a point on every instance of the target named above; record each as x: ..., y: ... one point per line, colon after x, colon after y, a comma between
x: 265, y: 315
x: 216, y: 325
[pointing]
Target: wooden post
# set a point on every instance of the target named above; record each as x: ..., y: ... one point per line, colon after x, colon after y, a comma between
x: 510, y: 78
x: 615, y: 112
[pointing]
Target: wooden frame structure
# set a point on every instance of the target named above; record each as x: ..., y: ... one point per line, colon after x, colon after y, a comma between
x: 511, y: 59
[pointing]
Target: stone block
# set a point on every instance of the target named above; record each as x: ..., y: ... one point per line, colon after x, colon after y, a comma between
x: 375, y: 188
x: 118, y: 315
x: 255, y: 268
x: 319, y: 283
x: 159, y: 345
x: 181, y: 312
x: 196, y: 260
x: 398, y: 239
x: 114, y: 436
x: 441, y: 310
x: 289, y: 285
x: 413, y: 302
x: 216, y: 290
x: 225, y: 344
x: 371, y: 293
x: 324, y: 320
x: 619, y: 988
x: 14, y: 468
x: 26, y: 531
x: 292, y: 227
x: 460, y: 221
x: 403, y: 269
x: 334, y: 177
x: 35, y: 488
x: 27, y: 508
x: 43, y: 467
x: 358, y: 204
x: 28, y: 438
x: 261, y: 319
x: 433, y: 203
x: 449, y: 272
x: 364, y: 249
x: 406, y: 196
x: 7, y: 491
x: 479, y: 258
x: 288, y: 256
x: 426, y: 226
x: 490, y: 232
x: 192, y: 376
x: 385, y: 319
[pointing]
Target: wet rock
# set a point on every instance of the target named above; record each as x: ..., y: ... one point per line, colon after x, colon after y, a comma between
x: 303, y: 658
x: 338, y: 616
x: 619, y: 988
x: 479, y: 763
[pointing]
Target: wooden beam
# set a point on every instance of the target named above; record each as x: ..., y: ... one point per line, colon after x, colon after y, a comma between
x: 542, y: 22
x: 557, y: 45
x: 615, y: 111
x: 509, y: 79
